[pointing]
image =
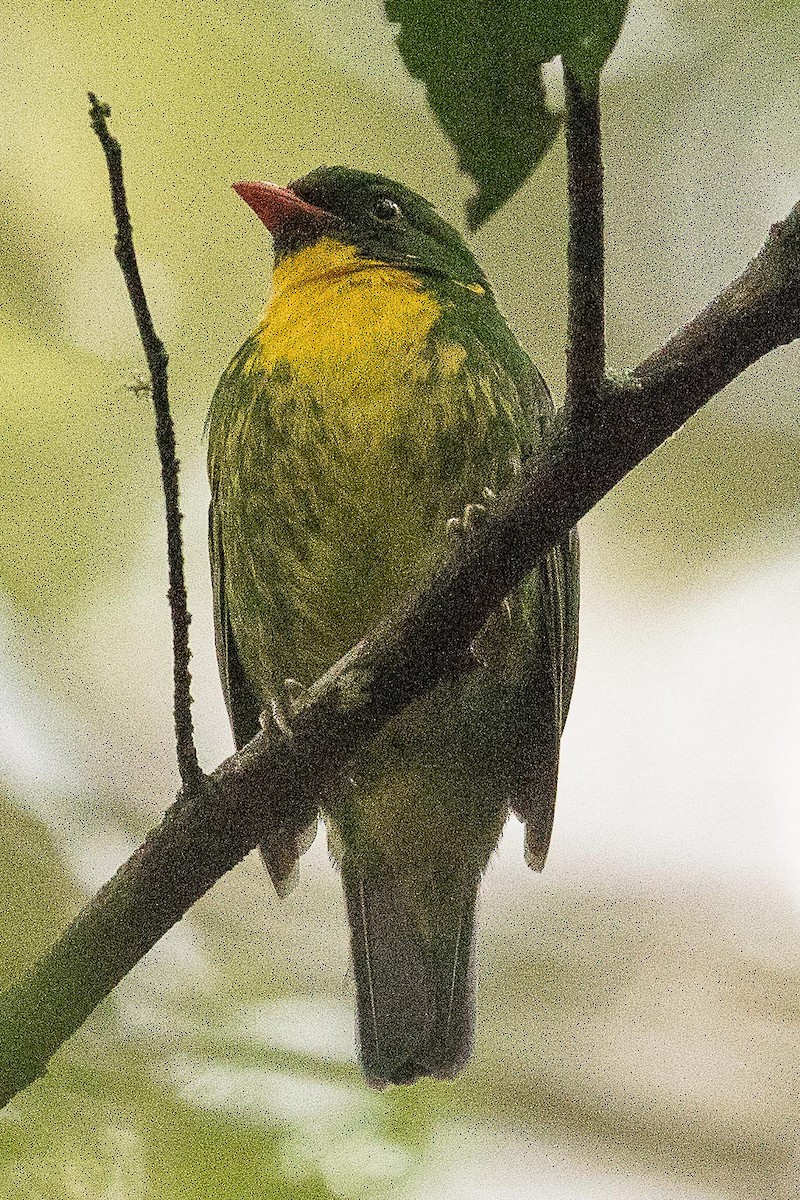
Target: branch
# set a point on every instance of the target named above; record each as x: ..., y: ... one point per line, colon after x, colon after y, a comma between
x: 276, y: 779
x: 586, y: 303
x: 157, y: 360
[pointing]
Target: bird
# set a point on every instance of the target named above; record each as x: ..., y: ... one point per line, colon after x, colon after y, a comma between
x: 372, y: 417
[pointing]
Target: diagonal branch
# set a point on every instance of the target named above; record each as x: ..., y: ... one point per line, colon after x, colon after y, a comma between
x: 274, y: 778
x: 586, y: 299
x: 156, y: 357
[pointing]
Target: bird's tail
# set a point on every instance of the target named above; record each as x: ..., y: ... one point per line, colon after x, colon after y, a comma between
x: 413, y: 957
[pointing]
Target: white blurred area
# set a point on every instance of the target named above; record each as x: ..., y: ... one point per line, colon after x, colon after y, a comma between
x: 681, y: 755
x: 31, y: 760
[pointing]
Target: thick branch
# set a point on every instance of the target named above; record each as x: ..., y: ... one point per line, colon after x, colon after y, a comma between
x: 203, y: 835
x: 586, y: 299
x: 156, y: 357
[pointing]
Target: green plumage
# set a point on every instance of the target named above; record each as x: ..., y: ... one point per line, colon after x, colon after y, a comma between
x: 381, y: 394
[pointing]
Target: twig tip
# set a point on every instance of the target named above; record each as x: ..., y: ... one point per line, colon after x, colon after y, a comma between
x: 99, y: 112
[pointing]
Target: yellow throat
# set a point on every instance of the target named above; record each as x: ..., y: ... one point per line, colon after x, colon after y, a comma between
x: 328, y: 304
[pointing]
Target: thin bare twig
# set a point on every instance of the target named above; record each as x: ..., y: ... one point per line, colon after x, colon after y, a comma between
x: 156, y: 356
x: 586, y: 300
x: 275, y: 779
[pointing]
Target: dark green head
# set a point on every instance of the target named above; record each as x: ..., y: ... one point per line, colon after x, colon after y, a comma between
x: 382, y: 219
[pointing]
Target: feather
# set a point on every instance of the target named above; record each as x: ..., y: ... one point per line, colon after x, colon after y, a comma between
x: 414, y: 979
x: 280, y: 849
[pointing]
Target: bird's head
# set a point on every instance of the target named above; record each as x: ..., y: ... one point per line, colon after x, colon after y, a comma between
x: 382, y: 220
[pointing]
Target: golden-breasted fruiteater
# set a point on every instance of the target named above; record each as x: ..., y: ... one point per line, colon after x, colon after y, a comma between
x: 381, y: 395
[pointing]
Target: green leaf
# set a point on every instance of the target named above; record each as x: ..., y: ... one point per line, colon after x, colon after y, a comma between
x: 587, y: 33
x: 481, y: 65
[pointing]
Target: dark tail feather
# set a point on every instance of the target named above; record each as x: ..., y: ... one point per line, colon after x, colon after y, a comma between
x: 414, y: 986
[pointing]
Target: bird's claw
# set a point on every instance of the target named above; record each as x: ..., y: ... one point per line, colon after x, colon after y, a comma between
x: 283, y: 708
x: 276, y: 715
x: 472, y: 517
x: 295, y: 690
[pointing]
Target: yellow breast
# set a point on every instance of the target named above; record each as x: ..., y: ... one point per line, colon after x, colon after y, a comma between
x: 332, y: 310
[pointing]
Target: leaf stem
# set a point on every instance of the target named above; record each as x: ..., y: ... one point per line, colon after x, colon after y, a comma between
x: 586, y: 301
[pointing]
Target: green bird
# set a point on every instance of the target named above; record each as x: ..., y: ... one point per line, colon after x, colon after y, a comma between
x: 381, y: 396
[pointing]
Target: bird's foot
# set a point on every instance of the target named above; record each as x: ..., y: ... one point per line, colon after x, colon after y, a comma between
x: 486, y: 648
x: 472, y: 517
x: 296, y: 691
x: 282, y: 708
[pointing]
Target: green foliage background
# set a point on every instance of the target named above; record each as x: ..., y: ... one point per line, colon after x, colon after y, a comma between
x: 637, y: 1035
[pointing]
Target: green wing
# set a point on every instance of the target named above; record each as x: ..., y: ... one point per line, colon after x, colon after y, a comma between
x: 240, y: 700
x: 552, y: 594
x: 280, y: 848
x: 545, y: 606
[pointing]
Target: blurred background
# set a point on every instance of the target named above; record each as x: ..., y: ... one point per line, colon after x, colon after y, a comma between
x: 638, y: 1003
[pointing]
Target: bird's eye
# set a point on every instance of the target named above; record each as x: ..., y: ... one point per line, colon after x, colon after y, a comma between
x: 386, y: 210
